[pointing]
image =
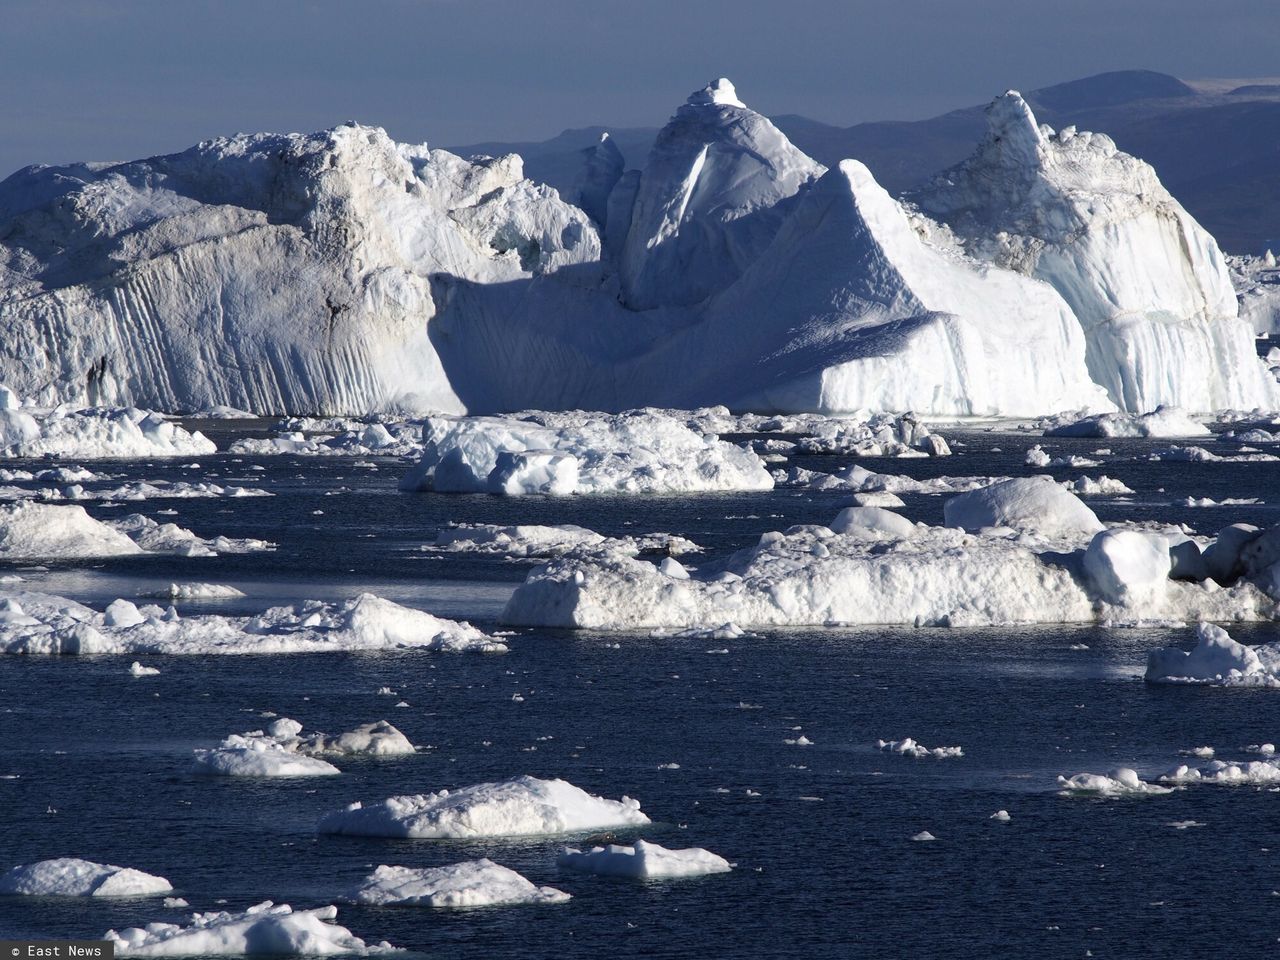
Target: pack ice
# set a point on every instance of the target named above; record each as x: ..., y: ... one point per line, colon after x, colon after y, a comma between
x: 524, y: 806
x: 46, y: 624
x: 342, y: 272
x: 73, y: 877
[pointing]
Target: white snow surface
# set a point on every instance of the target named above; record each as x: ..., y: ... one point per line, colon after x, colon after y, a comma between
x: 262, y: 929
x: 47, y: 624
x: 524, y: 806
x: 640, y: 451
x: 472, y: 883
x: 643, y: 861
x: 73, y: 877
x: 1148, y: 286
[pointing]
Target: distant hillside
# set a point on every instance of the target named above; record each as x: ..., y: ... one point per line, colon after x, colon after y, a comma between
x: 1218, y: 153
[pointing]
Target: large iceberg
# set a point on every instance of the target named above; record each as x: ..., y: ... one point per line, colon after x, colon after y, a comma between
x: 46, y: 624
x: 1148, y: 284
x: 525, y: 806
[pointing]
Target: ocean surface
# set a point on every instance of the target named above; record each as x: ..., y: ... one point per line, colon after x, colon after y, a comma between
x: 97, y: 763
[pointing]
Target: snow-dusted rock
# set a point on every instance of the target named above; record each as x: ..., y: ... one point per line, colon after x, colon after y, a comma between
x: 472, y: 883
x: 643, y: 861
x: 72, y: 877
x: 47, y: 624
x: 525, y: 806
x: 1024, y: 503
x: 1149, y: 286
x: 262, y: 929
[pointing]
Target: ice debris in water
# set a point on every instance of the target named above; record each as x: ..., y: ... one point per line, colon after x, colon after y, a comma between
x: 472, y: 883
x: 909, y: 748
x: 282, y: 751
x: 642, y: 861
x: 73, y: 877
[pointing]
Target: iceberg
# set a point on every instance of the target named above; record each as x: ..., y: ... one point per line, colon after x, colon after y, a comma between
x: 525, y: 806
x: 281, y: 751
x: 1122, y: 782
x: 1216, y: 660
x: 73, y: 877
x: 37, y: 623
x: 643, y: 861
x: 265, y: 928
x: 1147, y: 284
x: 473, y: 883
x: 94, y: 434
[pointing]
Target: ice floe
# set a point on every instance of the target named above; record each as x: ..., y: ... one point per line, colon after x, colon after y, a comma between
x: 1121, y: 782
x: 1216, y: 660
x: 265, y: 928
x: 47, y: 624
x: 641, y: 451
x: 281, y: 750
x: 472, y: 883
x: 910, y: 748
x: 1167, y: 422
x: 534, y: 541
x: 524, y: 806
x: 643, y: 861
x: 73, y: 877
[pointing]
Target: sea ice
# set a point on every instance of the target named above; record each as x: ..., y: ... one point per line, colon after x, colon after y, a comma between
x: 525, y: 806
x: 1216, y: 660
x: 72, y: 877
x: 472, y: 883
x: 643, y: 861
x: 1122, y: 782
x: 97, y: 433
x: 909, y: 748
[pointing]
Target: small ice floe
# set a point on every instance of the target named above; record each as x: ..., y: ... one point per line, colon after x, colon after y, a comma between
x: 800, y: 741
x: 196, y: 591
x: 1266, y: 749
x: 1184, y: 824
x: 175, y: 903
x: 643, y: 861
x: 266, y: 928
x: 524, y: 806
x: 1000, y: 816
x: 73, y: 877
x: 387, y: 692
x: 909, y: 748
x: 1204, y: 753
x: 1251, y: 773
x: 1121, y: 782
x: 473, y: 883
x: 44, y: 623
x: 923, y: 836
x: 668, y: 766
x: 1161, y: 422
x: 1216, y: 660
x: 282, y: 751
x: 138, y: 670
x: 723, y: 631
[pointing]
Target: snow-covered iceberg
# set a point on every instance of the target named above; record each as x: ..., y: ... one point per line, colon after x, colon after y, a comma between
x: 73, y: 877
x: 525, y: 806
x: 472, y: 883
x: 1147, y: 284
x: 262, y: 929
x: 1216, y: 660
x: 45, y: 624
x: 643, y: 861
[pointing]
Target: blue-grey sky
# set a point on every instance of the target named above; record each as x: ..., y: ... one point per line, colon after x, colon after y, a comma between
x: 119, y: 79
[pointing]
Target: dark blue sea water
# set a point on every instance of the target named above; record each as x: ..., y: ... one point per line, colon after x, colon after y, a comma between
x: 820, y: 834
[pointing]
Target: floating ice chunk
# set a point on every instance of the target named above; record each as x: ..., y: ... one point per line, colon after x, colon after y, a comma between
x: 175, y: 903
x: 1163, y: 422
x: 1121, y: 782
x: 1102, y: 487
x: 673, y: 568
x: 1129, y: 567
x: 72, y: 877
x: 1217, y: 660
x: 379, y: 739
x: 924, y: 836
x: 197, y: 591
x: 265, y: 928
x: 531, y: 540
x: 282, y: 751
x: 96, y: 433
x: 640, y: 451
x: 1036, y: 504
x: 33, y: 531
x: 138, y: 670
x: 878, y: 498
x: 525, y: 806
x: 1252, y: 773
x: 1266, y: 749
x: 873, y: 523
x: 1000, y: 816
x: 43, y: 623
x: 909, y: 748
x: 473, y: 883
x: 644, y: 861
x: 800, y: 741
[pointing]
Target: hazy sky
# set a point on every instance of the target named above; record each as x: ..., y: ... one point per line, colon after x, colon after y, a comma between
x: 120, y: 79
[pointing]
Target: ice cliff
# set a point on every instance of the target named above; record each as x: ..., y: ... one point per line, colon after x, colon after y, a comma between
x: 342, y: 273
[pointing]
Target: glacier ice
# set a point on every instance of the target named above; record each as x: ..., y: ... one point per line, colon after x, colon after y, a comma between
x: 73, y: 877
x: 97, y: 433
x: 472, y: 883
x: 282, y: 751
x: 524, y: 806
x: 1216, y: 660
